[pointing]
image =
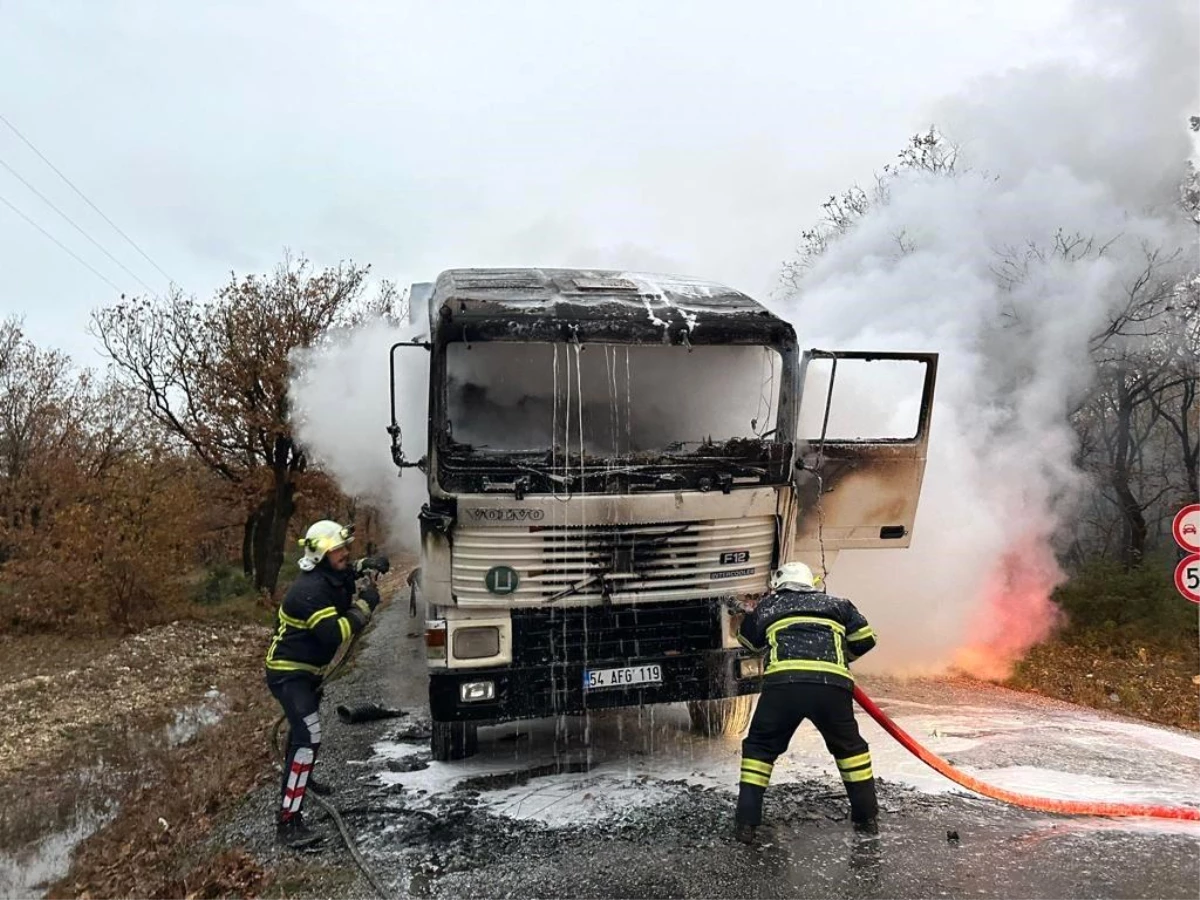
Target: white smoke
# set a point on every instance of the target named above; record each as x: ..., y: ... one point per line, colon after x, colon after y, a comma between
x: 1095, y: 147
x: 340, y: 397
x: 1092, y: 150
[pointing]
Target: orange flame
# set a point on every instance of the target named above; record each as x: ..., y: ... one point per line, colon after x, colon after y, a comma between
x: 1016, y: 611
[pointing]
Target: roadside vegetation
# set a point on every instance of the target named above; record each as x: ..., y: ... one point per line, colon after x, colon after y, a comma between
x: 1131, y: 645
x: 148, y: 524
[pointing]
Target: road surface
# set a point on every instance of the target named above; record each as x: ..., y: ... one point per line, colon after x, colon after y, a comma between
x: 632, y: 804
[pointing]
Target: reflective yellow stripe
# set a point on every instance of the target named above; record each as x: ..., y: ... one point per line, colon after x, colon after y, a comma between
x: 755, y: 765
x: 860, y: 775
x: 286, y: 665
x: 807, y: 665
x: 285, y: 619
x: 804, y: 620
x: 861, y: 634
x: 344, y: 625
x: 320, y: 616
x: 275, y: 639
x: 285, y: 622
x: 853, y: 762
x: 756, y: 780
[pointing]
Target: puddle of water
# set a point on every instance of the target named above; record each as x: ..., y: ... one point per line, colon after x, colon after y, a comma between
x: 191, y: 720
x: 40, y: 831
x: 29, y: 870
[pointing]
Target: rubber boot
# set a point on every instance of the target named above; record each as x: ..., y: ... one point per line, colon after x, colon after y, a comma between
x: 867, y: 827
x: 296, y: 835
x: 744, y: 833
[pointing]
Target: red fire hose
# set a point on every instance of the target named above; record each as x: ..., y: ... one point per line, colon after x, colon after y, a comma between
x: 1044, y: 804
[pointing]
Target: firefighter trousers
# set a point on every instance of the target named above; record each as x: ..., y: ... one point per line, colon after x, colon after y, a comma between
x: 781, y: 708
x: 298, y: 696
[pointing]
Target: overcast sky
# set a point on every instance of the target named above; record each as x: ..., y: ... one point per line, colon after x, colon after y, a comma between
x: 697, y: 137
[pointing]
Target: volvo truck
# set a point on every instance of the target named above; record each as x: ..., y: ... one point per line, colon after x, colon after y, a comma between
x: 611, y: 457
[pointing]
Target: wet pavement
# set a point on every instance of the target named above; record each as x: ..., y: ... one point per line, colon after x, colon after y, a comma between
x: 632, y: 804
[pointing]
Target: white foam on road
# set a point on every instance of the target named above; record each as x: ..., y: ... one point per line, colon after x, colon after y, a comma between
x: 637, y: 758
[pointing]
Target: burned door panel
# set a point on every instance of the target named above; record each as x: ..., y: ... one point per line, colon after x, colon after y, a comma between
x: 861, y: 493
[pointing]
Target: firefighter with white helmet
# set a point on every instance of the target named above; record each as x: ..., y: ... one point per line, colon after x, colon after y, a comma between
x: 319, y: 613
x: 812, y: 638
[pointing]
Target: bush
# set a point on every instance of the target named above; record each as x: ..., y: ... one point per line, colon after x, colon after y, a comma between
x: 221, y: 583
x: 1104, y: 599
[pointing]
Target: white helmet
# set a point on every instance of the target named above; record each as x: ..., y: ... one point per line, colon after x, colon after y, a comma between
x: 322, y: 537
x: 793, y: 576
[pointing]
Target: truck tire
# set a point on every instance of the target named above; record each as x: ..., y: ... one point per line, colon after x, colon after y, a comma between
x: 727, y: 717
x: 454, y: 740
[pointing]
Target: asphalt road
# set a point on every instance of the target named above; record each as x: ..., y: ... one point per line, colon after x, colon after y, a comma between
x: 631, y: 804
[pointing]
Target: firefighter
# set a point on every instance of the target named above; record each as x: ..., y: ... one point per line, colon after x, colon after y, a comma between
x: 318, y: 615
x: 812, y: 638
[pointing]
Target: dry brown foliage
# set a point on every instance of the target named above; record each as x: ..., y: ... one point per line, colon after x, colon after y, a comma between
x: 214, y: 375
x: 96, y: 517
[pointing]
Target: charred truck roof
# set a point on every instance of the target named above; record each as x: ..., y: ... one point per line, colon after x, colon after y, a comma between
x: 596, y: 305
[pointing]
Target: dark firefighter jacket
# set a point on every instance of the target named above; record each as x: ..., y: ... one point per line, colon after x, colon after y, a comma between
x: 318, y: 613
x: 811, y: 636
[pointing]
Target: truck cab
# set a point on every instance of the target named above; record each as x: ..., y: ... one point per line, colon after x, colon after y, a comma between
x: 611, y: 457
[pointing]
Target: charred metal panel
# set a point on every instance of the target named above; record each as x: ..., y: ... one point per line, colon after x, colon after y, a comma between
x: 860, y: 497
x: 598, y: 306
x: 862, y: 494
x: 436, y: 521
x: 602, y: 510
x: 581, y: 307
x: 711, y: 467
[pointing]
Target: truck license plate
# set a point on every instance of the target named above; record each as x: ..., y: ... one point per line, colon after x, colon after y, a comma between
x: 606, y: 678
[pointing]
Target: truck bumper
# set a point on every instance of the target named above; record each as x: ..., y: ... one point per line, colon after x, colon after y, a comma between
x: 538, y: 691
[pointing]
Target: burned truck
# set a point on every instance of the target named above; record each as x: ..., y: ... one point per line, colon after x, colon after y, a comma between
x: 610, y: 457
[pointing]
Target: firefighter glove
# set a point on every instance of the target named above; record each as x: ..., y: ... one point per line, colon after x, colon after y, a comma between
x: 370, y: 596
x: 380, y: 564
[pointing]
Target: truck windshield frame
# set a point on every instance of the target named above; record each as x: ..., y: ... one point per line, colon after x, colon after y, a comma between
x: 699, y: 461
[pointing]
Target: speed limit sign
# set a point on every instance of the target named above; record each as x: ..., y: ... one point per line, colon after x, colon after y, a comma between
x: 1187, y: 577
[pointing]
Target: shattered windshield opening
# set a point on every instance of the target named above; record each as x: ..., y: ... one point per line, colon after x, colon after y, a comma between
x: 613, y: 401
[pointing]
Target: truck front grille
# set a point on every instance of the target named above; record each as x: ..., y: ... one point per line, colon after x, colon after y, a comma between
x: 640, y: 563
x: 613, y: 633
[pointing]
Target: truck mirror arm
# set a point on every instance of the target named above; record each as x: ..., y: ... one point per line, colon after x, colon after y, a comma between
x: 398, y: 457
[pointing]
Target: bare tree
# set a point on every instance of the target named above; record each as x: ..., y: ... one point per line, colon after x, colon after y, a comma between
x: 928, y: 151
x: 216, y: 374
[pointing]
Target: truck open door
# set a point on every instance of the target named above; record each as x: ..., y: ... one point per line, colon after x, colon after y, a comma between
x: 863, y: 437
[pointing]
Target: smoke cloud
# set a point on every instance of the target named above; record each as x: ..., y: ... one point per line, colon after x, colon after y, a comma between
x: 340, y: 397
x: 1093, y: 146
x: 1052, y: 152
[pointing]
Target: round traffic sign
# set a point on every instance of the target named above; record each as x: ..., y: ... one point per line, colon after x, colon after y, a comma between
x: 1187, y: 577
x: 1186, y: 528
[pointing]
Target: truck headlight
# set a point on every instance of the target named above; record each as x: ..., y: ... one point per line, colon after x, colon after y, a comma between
x: 476, y: 643
x: 476, y: 691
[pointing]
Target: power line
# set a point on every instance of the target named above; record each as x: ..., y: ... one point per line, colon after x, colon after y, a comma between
x: 28, y: 143
x: 62, y: 246
x: 72, y: 223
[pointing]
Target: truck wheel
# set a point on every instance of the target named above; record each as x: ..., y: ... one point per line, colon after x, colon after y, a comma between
x: 454, y: 740
x: 729, y: 716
